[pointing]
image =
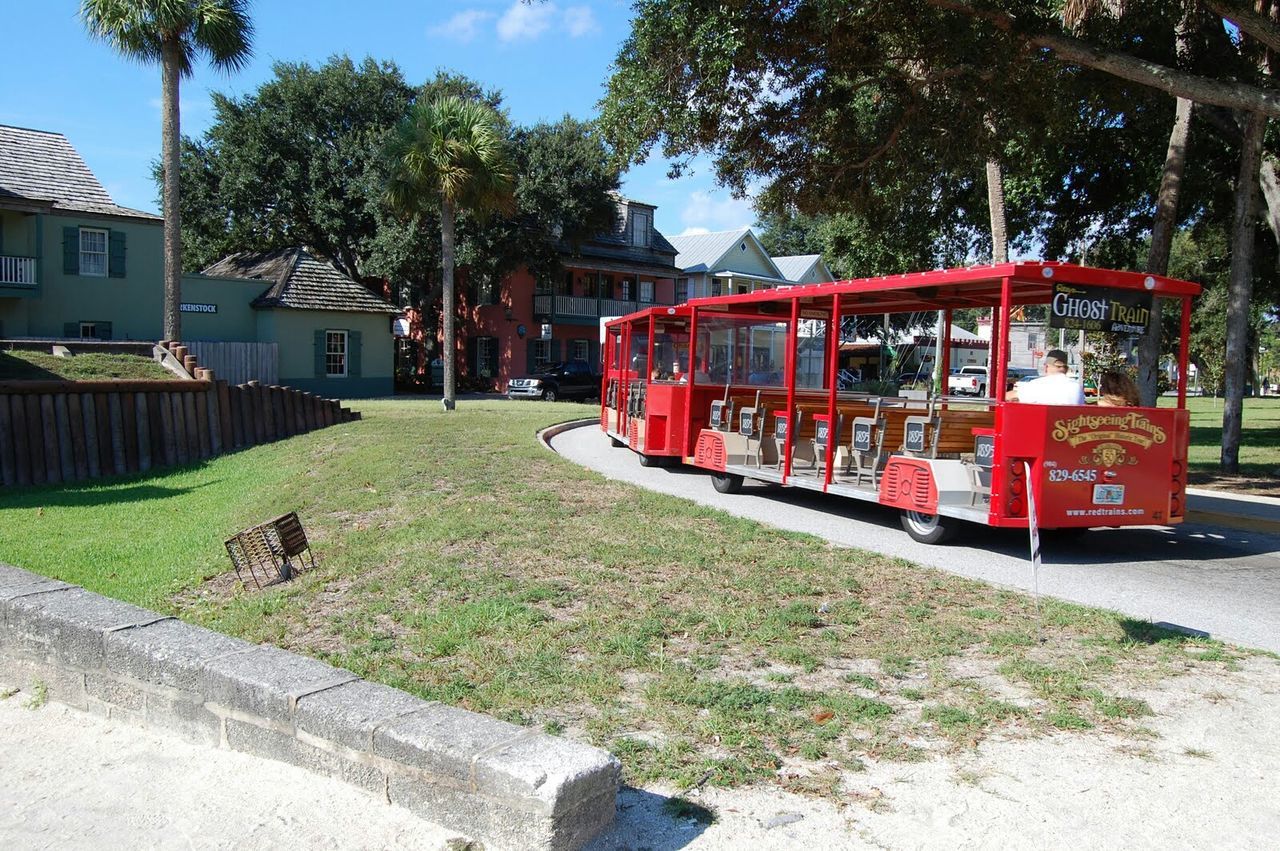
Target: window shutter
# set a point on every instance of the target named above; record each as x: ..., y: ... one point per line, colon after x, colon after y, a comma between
x: 557, y: 351
x: 531, y: 355
x: 493, y: 357
x: 103, y: 329
x: 71, y: 254
x: 355, y: 348
x: 319, y: 354
x: 593, y: 354
x: 472, y: 350
x: 71, y: 330
x: 115, y: 255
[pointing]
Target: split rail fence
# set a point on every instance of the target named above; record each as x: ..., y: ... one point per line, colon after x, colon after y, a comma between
x: 63, y: 431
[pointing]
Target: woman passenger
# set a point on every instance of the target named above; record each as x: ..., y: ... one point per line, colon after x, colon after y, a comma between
x: 1117, y: 390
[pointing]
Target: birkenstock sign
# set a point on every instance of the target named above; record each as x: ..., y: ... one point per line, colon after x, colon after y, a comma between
x: 1099, y: 309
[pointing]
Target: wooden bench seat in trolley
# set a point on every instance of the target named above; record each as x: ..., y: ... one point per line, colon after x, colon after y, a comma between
x: 867, y: 432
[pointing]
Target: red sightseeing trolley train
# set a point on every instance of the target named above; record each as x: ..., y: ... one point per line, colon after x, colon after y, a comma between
x: 749, y: 385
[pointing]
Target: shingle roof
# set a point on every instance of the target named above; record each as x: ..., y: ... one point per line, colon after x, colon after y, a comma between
x: 43, y: 168
x: 300, y: 281
x: 794, y: 267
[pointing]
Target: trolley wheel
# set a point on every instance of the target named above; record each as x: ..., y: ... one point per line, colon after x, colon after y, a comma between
x: 548, y: 395
x: 649, y: 460
x: 726, y: 482
x: 617, y: 444
x: 930, y: 528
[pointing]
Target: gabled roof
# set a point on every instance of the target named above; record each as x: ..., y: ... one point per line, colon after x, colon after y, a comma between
x: 710, y: 252
x: 42, y: 169
x: 300, y: 281
x: 804, y: 269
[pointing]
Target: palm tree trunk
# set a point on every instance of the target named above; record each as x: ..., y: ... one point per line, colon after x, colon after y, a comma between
x: 1240, y: 290
x: 1175, y: 160
x: 995, y: 202
x: 170, y: 130
x: 450, y: 302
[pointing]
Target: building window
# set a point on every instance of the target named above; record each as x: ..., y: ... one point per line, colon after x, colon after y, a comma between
x: 335, y: 354
x: 627, y: 293
x: 541, y: 353
x: 88, y: 330
x: 682, y: 290
x: 581, y: 350
x: 646, y: 291
x: 486, y: 356
x: 715, y: 286
x: 93, y: 252
x: 640, y: 229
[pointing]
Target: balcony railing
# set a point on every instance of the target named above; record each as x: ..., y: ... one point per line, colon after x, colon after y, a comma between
x: 585, y: 306
x: 18, y: 270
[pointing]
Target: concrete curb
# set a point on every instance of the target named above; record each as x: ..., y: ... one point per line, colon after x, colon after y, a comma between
x: 1245, y: 512
x: 548, y: 434
x: 504, y: 785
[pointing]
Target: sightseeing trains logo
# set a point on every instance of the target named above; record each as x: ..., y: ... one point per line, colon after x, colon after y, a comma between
x: 1109, y: 455
x: 1086, y: 428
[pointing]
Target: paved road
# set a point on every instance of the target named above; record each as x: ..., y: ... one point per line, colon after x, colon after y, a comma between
x: 1225, y: 582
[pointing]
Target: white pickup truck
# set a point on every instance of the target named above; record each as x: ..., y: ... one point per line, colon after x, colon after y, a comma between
x: 972, y: 380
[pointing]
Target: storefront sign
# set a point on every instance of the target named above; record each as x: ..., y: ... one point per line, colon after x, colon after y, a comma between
x: 546, y: 331
x: 1099, y: 309
x: 188, y: 307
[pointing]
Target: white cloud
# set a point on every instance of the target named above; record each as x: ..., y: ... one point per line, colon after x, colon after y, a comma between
x: 525, y: 22
x: 580, y: 21
x: 693, y: 232
x: 704, y: 211
x: 463, y: 26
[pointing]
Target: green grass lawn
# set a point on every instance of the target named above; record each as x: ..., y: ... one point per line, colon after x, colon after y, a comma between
x: 41, y: 366
x: 1259, y: 444
x: 463, y: 562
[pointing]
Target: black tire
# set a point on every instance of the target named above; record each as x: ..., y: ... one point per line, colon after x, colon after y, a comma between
x: 982, y: 390
x: 930, y: 528
x: 549, y: 395
x: 726, y: 482
x: 617, y: 444
x: 650, y: 460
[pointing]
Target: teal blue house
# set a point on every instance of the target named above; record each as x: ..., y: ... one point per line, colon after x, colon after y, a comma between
x: 75, y: 265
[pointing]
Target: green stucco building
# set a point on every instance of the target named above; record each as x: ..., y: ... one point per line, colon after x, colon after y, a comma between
x: 74, y: 265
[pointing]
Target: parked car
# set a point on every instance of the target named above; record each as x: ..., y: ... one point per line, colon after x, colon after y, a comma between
x: 572, y: 380
x: 972, y: 380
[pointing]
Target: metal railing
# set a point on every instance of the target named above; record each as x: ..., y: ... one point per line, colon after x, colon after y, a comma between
x: 586, y: 306
x: 18, y: 270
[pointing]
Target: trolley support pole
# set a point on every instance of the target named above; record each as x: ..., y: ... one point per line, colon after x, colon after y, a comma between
x: 793, y: 345
x: 945, y: 356
x: 1184, y: 351
x: 833, y: 373
x: 1000, y: 333
x: 691, y: 374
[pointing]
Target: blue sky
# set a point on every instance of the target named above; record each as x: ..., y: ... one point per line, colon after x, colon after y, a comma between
x: 548, y: 59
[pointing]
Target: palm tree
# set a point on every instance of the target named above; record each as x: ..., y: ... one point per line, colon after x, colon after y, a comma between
x: 173, y: 33
x: 449, y: 151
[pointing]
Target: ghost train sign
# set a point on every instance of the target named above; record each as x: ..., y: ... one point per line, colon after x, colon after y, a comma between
x: 1099, y: 309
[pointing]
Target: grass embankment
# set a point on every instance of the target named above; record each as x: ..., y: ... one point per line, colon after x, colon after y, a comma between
x: 462, y: 562
x: 19, y: 365
x: 1259, y: 445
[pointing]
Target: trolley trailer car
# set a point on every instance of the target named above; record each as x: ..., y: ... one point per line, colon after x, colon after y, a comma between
x: 748, y: 386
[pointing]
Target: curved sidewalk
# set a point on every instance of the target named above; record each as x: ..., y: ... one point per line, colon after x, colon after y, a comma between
x: 1221, y: 581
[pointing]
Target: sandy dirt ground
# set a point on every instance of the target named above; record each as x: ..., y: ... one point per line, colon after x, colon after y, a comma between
x: 1206, y: 774
x: 76, y: 781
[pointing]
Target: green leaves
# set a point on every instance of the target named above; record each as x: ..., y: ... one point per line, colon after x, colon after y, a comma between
x: 220, y: 30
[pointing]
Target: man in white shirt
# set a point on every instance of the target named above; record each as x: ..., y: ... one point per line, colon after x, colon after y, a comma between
x: 1055, y: 387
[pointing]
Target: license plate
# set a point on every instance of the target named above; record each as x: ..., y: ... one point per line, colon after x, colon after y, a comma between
x: 1108, y: 494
